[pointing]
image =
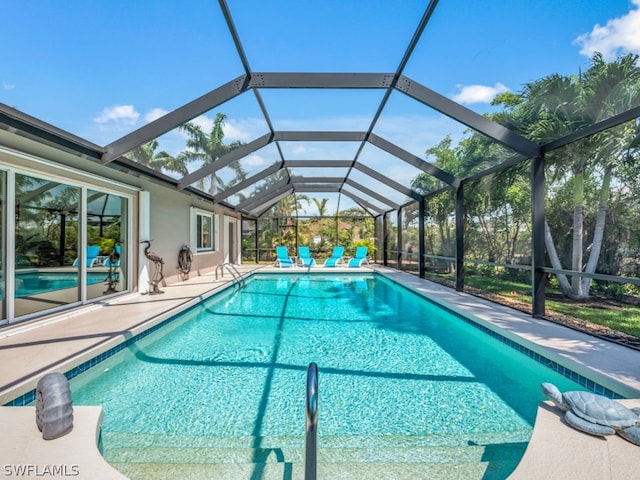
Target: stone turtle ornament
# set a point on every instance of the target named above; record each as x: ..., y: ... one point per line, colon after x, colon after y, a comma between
x: 595, y: 414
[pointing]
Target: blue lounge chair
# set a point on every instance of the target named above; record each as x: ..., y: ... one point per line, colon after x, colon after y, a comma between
x: 360, y: 258
x: 282, y: 257
x: 335, y: 258
x: 93, y: 252
x: 304, y: 257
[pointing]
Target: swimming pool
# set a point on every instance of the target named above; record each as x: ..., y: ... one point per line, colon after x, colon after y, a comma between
x: 35, y: 282
x: 400, y: 378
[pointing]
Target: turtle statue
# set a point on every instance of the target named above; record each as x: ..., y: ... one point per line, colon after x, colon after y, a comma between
x: 595, y: 414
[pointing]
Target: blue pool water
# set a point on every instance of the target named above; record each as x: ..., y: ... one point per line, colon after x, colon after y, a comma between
x: 32, y: 283
x: 390, y: 364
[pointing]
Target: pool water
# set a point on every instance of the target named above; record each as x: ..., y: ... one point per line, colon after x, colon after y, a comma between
x: 390, y: 364
x: 32, y: 283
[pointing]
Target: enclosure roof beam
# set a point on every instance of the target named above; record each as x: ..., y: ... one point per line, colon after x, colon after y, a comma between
x: 301, y: 180
x: 271, y: 191
x: 411, y: 159
x: 259, y: 211
x: 267, y: 203
x: 317, y: 163
x: 320, y: 80
x: 227, y: 192
x: 305, y: 187
x: 363, y: 203
x: 623, y: 117
x: 318, y: 136
x: 26, y: 197
x: 468, y: 117
x: 225, y: 160
x: 371, y: 193
x: 426, y: 16
x: 174, y: 118
x: 387, y: 181
x: 30, y: 127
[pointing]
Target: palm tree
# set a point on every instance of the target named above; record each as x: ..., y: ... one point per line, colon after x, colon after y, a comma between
x: 286, y: 209
x: 321, y: 205
x: 146, y: 155
x: 206, y: 148
x: 557, y: 105
x: 289, y: 205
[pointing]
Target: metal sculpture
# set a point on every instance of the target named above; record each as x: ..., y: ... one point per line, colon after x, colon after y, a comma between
x: 54, y: 413
x: 185, y: 258
x: 113, y: 277
x: 158, y: 263
x: 595, y: 414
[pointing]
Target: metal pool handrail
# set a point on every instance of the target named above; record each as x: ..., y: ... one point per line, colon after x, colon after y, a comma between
x: 237, y: 276
x: 311, y: 432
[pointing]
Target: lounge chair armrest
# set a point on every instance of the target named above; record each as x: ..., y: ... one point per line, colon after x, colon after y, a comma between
x: 99, y: 260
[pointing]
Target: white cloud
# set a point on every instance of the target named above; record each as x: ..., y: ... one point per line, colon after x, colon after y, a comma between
x: 154, y: 114
x: 478, y: 93
x: 254, y: 161
x: 204, y: 122
x: 620, y: 35
x: 244, y: 130
x: 124, y: 115
x: 299, y: 149
x: 417, y: 133
x: 8, y: 86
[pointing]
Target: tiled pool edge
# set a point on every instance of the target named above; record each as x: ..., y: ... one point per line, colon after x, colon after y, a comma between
x: 30, y: 396
x: 585, y: 382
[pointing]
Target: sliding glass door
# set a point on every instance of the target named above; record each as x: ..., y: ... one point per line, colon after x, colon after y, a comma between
x: 106, y: 235
x: 46, y: 245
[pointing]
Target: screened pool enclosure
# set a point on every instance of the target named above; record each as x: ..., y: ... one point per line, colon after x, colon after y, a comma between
x: 358, y: 130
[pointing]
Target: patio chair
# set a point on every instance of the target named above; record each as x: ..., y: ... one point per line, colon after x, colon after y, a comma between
x: 282, y: 257
x: 360, y: 258
x: 304, y: 257
x: 335, y: 258
x: 93, y: 252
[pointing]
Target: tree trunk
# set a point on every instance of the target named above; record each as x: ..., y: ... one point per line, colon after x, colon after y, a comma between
x: 598, y: 231
x: 578, y: 235
x: 565, y: 286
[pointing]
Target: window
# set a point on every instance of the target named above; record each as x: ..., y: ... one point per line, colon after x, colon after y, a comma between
x: 205, y: 231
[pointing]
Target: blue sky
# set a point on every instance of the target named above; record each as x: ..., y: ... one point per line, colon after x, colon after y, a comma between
x: 102, y: 68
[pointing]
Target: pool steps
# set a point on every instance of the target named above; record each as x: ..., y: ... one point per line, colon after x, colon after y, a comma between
x: 338, y: 457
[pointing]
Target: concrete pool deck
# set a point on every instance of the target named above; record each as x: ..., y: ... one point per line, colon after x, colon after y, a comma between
x: 63, y: 341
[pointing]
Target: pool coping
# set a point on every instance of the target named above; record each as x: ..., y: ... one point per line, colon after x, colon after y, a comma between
x: 558, y: 451
x: 26, y: 454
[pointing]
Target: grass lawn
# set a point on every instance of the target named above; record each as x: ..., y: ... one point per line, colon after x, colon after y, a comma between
x: 616, y: 315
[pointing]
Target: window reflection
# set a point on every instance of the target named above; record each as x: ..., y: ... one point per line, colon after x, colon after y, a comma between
x: 46, y: 239
x: 106, y: 231
x: 204, y: 232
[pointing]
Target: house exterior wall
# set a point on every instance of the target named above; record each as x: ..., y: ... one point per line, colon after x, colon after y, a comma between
x: 170, y: 222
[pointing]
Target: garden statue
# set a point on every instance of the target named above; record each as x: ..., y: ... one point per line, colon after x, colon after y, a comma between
x: 158, y: 274
x: 54, y: 413
x: 595, y: 414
